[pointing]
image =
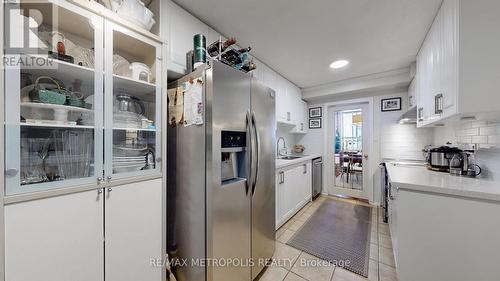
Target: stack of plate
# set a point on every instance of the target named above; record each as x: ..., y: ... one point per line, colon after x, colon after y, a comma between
x: 123, y: 164
x: 129, y: 157
x: 127, y: 119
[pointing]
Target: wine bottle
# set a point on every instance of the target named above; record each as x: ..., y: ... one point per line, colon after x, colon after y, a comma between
x: 213, y: 49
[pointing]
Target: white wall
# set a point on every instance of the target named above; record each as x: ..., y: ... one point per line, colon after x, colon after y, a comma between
x: 289, y: 138
x: 313, y: 140
x: 396, y: 141
x: 390, y: 139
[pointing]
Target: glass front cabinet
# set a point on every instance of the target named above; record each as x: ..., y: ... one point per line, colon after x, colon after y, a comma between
x: 83, y: 102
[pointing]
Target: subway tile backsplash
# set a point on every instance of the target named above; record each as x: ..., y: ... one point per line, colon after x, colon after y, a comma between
x: 483, y: 133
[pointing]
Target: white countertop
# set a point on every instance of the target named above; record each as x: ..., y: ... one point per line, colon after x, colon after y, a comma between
x: 280, y: 163
x: 419, y: 178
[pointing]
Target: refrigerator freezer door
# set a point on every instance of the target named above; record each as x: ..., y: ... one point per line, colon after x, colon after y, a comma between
x: 263, y: 194
x: 228, y: 203
x: 186, y: 195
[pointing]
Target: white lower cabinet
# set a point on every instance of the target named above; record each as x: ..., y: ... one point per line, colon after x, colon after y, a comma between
x: 133, y: 235
x: 55, y: 239
x: 293, y: 190
x: 76, y: 236
x: 448, y: 237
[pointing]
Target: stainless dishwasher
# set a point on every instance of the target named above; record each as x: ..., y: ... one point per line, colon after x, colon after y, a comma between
x: 317, y: 176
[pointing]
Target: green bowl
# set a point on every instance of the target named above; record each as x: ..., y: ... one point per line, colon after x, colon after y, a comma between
x: 47, y: 96
x: 75, y: 102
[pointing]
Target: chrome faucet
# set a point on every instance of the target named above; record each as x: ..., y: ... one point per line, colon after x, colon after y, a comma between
x: 278, y: 150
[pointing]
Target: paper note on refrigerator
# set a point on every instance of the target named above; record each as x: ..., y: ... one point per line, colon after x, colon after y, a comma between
x: 175, y: 105
x: 193, y: 102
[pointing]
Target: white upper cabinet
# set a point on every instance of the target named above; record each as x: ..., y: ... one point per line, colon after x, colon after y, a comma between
x: 457, y: 65
x: 411, y: 93
x: 301, y: 123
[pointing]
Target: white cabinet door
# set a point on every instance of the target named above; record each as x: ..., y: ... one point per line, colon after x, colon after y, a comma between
x: 301, y: 112
x: 450, y: 57
x: 183, y: 26
x: 282, y: 101
x: 437, y: 67
x: 301, y: 186
x: 308, y: 182
x: 411, y: 93
x: 305, y: 187
x: 289, y: 192
x: 280, y: 191
x: 133, y: 220
x: 56, y: 239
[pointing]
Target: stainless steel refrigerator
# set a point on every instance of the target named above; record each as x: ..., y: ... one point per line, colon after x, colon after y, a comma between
x: 221, y: 187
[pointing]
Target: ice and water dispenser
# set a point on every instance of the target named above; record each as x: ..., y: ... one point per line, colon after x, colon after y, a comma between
x: 233, y: 149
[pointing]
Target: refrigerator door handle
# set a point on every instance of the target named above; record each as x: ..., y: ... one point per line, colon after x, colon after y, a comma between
x: 249, y: 151
x: 257, y: 153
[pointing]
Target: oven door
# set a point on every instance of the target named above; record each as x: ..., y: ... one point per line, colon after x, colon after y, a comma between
x: 384, y: 184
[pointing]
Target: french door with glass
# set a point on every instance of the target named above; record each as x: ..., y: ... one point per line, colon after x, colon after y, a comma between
x: 349, y: 134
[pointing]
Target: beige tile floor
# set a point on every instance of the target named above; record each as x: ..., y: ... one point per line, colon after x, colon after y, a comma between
x: 296, y: 265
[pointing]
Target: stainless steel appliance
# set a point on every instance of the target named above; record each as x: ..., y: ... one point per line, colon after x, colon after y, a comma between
x: 409, y: 117
x: 464, y: 164
x: 384, y: 185
x: 439, y: 158
x: 221, y: 188
x: 317, y: 176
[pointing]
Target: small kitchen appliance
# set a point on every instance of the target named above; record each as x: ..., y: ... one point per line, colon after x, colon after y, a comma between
x: 464, y: 164
x: 439, y: 158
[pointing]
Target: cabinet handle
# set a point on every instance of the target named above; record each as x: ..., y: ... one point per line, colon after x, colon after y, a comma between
x: 99, y: 191
x: 282, y: 177
x: 11, y: 172
x: 108, y: 178
x: 438, y: 104
x: 110, y: 189
x: 305, y: 169
x: 390, y: 192
x: 288, y: 116
x: 99, y: 180
x: 420, y: 114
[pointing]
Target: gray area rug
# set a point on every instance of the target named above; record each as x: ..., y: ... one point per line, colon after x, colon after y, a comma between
x: 338, y: 232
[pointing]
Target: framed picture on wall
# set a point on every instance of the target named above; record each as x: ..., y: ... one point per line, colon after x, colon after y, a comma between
x: 315, y: 112
x: 315, y: 123
x: 392, y: 104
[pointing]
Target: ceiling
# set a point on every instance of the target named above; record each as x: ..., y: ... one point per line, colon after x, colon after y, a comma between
x: 299, y: 39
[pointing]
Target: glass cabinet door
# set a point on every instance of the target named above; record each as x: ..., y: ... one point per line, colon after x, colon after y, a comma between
x: 54, y: 94
x: 132, y: 103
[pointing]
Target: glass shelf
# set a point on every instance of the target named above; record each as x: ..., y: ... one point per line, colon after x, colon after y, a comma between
x: 67, y: 124
x: 52, y: 110
x: 136, y: 104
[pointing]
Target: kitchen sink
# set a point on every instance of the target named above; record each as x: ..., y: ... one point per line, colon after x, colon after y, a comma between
x: 290, y: 157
